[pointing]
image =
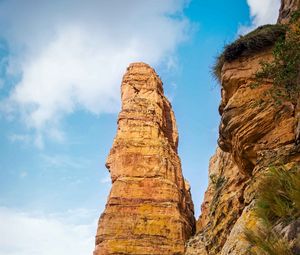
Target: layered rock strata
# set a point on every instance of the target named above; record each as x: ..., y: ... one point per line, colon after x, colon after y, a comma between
x: 149, y: 209
x: 256, y: 132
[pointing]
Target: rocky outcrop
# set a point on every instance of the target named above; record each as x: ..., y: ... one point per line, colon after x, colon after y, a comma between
x: 253, y: 126
x: 149, y: 209
x: 286, y: 10
x: 257, y: 130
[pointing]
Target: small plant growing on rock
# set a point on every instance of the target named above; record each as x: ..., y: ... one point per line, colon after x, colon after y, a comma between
x: 278, y: 203
x: 267, y: 242
x: 284, y: 70
x: 279, y: 195
x: 218, y: 182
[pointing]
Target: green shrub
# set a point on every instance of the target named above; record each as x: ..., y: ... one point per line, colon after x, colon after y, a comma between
x: 284, y: 70
x: 295, y: 16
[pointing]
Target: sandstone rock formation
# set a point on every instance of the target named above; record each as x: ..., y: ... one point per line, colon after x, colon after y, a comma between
x: 256, y: 132
x: 149, y: 209
x: 223, y: 201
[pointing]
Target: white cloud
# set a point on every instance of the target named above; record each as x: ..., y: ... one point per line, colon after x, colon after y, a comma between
x: 31, y: 234
x: 58, y: 161
x: 261, y: 12
x: 24, y: 138
x: 23, y: 174
x: 105, y: 180
x: 72, y: 54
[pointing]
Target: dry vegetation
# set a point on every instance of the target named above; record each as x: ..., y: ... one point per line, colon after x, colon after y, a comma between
x: 259, y: 39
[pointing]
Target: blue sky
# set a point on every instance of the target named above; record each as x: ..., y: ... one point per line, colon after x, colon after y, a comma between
x: 61, y: 64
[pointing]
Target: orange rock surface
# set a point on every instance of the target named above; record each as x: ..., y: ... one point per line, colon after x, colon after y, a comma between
x: 223, y: 201
x: 255, y: 132
x: 149, y: 209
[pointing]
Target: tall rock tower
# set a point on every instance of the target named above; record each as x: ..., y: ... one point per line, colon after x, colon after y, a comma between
x: 149, y: 209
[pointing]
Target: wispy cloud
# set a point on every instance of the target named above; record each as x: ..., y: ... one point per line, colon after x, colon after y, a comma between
x: 23, y: 174
x: 261, y: 13
x: 24, y: 138
x: 71, y: 55
x: 64, y: 161
x: 105, y: 180
x: 31, y: 234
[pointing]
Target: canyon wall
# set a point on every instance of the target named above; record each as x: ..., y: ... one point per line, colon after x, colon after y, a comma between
x: 149, y: 209
x: 257, y: 130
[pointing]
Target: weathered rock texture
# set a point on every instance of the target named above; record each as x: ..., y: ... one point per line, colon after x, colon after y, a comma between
x: 223, y: 201
x: 149, y: 209
x: 286, y: 10
x: 255, y: 133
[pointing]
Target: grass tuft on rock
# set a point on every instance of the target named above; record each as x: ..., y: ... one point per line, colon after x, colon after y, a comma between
x: 267, y: 242
x: 256, y: 41
x: 278, y: 202
x: 279, y: 195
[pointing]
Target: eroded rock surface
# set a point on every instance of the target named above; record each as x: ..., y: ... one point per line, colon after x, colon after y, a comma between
x: 223, y: 203
x: 287, y: 9
x: 256, y: 131
x: 149, y: 209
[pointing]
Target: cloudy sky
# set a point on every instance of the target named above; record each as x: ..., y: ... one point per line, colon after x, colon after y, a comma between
x: 61, y: 64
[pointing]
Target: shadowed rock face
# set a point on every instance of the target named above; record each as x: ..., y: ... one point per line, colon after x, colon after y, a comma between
x: 149, y: 209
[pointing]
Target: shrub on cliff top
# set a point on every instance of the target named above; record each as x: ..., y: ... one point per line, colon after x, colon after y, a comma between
x: 257, y: 40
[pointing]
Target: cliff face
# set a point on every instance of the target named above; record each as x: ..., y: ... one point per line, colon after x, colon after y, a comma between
x: 149, y: 209
x: 287, y: 9
x: 222, y: 205
x: 257, y: 130
x: 258, y: 134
